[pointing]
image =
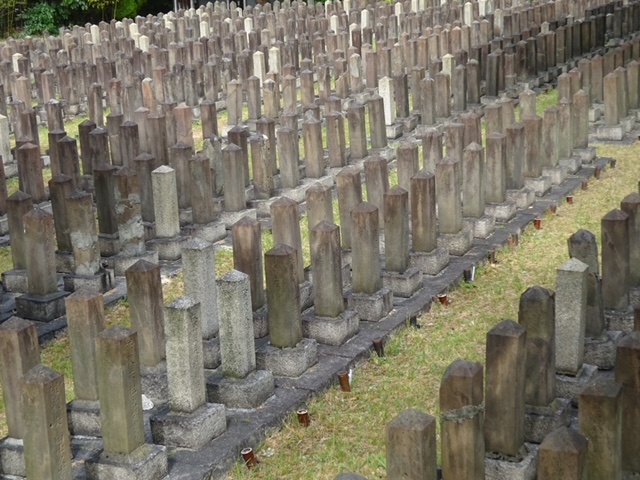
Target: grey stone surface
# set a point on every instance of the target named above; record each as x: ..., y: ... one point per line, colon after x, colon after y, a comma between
x: 330, y: 330
x: 12, y: 457
x: 568, y: 386
x: 15, y: 281
x: 42, y: 308
x: 147, y: 462
x: 371, y: 308
x: 523, y: 198
x: 189, y: 430
x: 540, y: 185
x: 457, y: 243
x: 601, y: 351
x: 483, y: 226
x: 248, y: 392
x: 431, y: 263
x: 84, y: 418
x: 236, y: 325
x: 540, y: 421
x: 571, y: 306
x: 405, y: 284
x: 524, y: 468
x: 288, y: 362
x: 211, y: 353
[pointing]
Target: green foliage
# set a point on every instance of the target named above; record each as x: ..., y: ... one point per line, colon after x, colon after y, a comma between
x: 40, y: 17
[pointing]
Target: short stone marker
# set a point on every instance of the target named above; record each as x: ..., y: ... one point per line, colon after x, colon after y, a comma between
x: 563, y: 454
x: 188, y: 421
x: 411, y: 446
x: 239, y: 385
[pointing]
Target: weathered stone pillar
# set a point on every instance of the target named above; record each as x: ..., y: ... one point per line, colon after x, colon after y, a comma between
x: 47, y: 446
x: 349, y: 187
x: 504, y: 418
x: 600, y: 418
x: 285, y: 221
x: 462, y: 421
x: 246, y: 236
x: 563, y: 454
x: 19, y: 353
x: 144, y: 291
x: 628, y: 376
x: 411, y: 446
x: 615, y: 260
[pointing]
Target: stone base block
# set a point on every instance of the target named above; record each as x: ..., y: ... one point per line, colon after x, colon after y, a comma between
x: 109, y: 244
x: 249, y: 392
x: 211, y: 232
x: 168, y: 248
x: 571, y: 164
x: 394, y: 131
x: 260, y: 323
x: 405, y: 284
x: 12, y: 457
x: 229, y: 218
x: 15, y: 281
x: 147, y: 462
x: 628, y: 123
x: 189, y: 430
x: 540, y: 185
x: 430, y: 263
x: 540, y: 421
x: 482, y: 227
x: 100, y: 282
x: 42, y: 308
x: 601, y: 351
x: 594, y: 115
x: 626, y: 475
x: 65, y: 262
x: 288, y: 362
x: 120, y: 262
x: 388, y: 153
x: 521, y: 468
x: 154, y: 382
x: 523, y: 198
x: 619, y: 321
x: 556, y: 174
x: 608, y: 132
x: 571, y: 387
x: 306, y: 295
x: 84, y: 418
x: 587, y: 155
x: 457, y: 243
x: 4, y: 225
x: 371, y: 308
x: 330, y: 331
x: 502, y: 212
x: 211, y: 353
x: 410, y: 123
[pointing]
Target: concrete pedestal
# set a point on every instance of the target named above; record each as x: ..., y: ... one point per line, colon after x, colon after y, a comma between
x: 457, y: 243
x: 502, y: 212
x: 521, y: 468
x: 482, y: 227
x: 570, y: 387
x: 403, y: 285
x: 42, y: 308
x: 100, y: 282
x: 523, y: 198
x: 211, y: 353
x: 540, y: 421
x: 84, y: 418
x: 249, y: 392
x: 147, y: 462
x: 540, y: 185
x: 168, y: 248
x: 371, y: 308
x: 189, y: 430
x: 120, y: 263
x: 601, y: 351
x: 15, y: 281
x: 288, y: 362
x: 430, y: 263
x: 330, y: 331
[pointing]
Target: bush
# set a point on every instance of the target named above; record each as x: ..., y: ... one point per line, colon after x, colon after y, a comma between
x: 39, y: 18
